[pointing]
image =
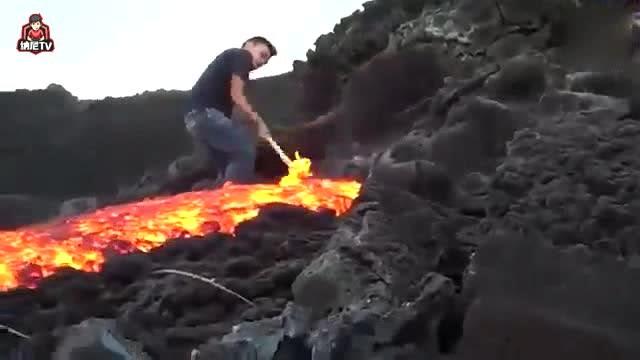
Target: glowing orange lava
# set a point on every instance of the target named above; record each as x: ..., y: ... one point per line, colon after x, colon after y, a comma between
x: 31, y: 253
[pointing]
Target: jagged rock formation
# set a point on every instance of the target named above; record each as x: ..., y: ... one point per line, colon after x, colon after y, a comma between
x: 496, y: 221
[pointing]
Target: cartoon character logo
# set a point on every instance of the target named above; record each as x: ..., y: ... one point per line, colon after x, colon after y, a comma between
x: 35, y: 36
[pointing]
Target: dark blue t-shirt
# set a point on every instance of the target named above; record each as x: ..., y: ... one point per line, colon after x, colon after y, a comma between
x: 213, y: 88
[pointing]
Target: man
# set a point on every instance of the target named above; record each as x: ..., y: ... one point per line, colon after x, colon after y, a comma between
x: 35, y: 33
x: 220, y: 141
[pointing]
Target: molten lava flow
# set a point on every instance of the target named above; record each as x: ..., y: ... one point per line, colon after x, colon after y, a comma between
x: 31, y: 253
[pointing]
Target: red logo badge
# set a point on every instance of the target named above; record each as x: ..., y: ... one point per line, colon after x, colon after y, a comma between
x: 35, y: 36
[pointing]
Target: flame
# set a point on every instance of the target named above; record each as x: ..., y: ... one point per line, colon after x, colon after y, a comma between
x: 31, y: 253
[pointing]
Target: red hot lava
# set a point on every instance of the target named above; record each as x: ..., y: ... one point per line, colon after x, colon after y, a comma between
x: 31, y: 253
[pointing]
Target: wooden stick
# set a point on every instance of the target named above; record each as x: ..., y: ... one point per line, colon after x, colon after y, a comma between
x: 283, y: 156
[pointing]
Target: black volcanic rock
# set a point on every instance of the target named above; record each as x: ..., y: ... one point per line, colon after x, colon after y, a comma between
x: 168, y: 312
x: 529, y: 293
x: 497, y: 218
x: 18, y: 210
x: 580, y: 177
x: 360, y: 36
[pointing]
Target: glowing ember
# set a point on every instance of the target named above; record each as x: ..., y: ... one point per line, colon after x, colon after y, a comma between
x: 31, y: 253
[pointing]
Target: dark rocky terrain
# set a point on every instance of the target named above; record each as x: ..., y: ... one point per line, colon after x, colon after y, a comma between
x: 498, y: 143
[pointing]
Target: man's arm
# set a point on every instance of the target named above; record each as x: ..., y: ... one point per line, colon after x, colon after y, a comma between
x: 238, y: 96
x: 241, y: 65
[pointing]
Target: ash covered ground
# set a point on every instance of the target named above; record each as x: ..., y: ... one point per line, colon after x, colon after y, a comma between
x: 498, y: 217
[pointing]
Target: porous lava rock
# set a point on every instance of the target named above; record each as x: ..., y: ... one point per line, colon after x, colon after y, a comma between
x: 497, y: 222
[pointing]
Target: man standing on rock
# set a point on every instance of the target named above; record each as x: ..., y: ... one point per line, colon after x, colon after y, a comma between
x: 219, y: 141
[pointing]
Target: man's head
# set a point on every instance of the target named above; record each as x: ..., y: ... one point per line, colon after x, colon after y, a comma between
x: 35, y: 21
x: 261, y: 50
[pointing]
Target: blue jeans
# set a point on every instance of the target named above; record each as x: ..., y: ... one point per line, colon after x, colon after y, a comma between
x: 229, y: 144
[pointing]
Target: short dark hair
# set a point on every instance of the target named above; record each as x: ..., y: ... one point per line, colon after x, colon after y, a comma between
x: 35, y: 18
x: 264, y: 41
